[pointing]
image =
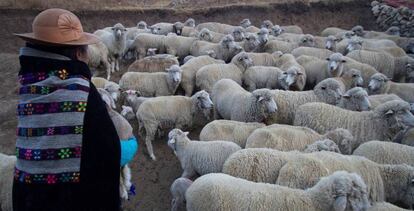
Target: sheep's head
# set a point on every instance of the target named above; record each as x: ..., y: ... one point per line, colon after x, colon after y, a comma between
x: 393, y: 30
x: 358, y: 30
x: 410, y: 73
x: 178, y: 189
x: 178, y: 28
x: 265, y: 101
x: 355, y: 99
x: 227, y: 41
x: 263, y: 35
x: 176, y: 137
x: 276, y: 30
x: 267, y: 24
x: 348, y: 35
x: 354, y: 44
x: 119, y: 31
x: 353, y: 75
x: 211, y: 53
x: 329, y: 91
x: 187, y: 58
x: 292, y: 79
x: 377, y: 82
x: 335, y: 64
x: 243, y: 61
x: 238, y: 34
x: 343, y: 138
x: 322, y: 145
x: 155, y: 29
x: 203, y: 102
x: 245, y: 23
x: 174, y: 72
x: 342, y: 191
x: 405, y: 187
x: 307, y: 40
x: 106, y: 97
x: 190, y: 22
x: 113, y: 89
x: 331, y: 42
x: 205, y: 35
x: 396, y: 113
x: 127, y: 112
x: 142, y: 25
x: 252, y: 40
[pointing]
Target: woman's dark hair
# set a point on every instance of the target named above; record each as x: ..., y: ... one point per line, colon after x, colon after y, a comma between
x: 68, y: 51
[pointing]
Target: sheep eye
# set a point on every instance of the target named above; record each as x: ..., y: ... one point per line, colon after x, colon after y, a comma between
x: 284, y: 73
x: 323, y: 88
x: 354, y: 76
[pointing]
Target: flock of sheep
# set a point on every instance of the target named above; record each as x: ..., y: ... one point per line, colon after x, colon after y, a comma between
x: 291, y: 121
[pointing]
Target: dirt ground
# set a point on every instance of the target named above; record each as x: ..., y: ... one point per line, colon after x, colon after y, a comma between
x: 153, y: 179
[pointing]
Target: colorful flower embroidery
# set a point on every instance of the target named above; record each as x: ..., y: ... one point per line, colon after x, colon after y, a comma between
x: 68, y: 177
x: 51, y: 179
x: 44, y: 90
x: 32, y: 90
x: 67, y: 106
x: 81, y: 106
x: 28, y: 154
x: 64, y: 153
x: 63, y: 74
x: 78, y: 129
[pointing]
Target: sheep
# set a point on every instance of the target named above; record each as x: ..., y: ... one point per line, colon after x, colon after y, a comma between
x: 331, y: 31
x: 377, y: 45
x: 165, y: 28
x: 199, y: 157
x: 143, y: 42
x: 290, y: 138
x: 110, y: 86
x: 152, y: 64
x: 232, y: 102
x: 322, y: 145
x: 152, y: 84
x: 406, y: 137
x: 295, y: 77
x: 299, y: 39
x: 303, y: 170
x: 276, y: 30
x: 366, y: 70
x: 355, y: 99
x: 293, y: 29
x: 350, y: 78
x: 264, y: 59
x: 216, y: 27
x: 317, y: 70
x: 190, y: 22
x: 99, y: 82
x: 7, y: 163
x: 98, y: 58
x: 238, y: 34
x: 127, y: 112
x: 381, y: 84
x: 392, y: 67
x: 267, y: 24
x: 386, y: 152
x: 263, y: 36
x: 393, y: 30
x: 177, y: 190
x: 178, y: 45
x: 228, y: 130
x: 210, y: 36
x: 208, y: 75
x: 187, y: 58
x: 409, y: 78
x: 245, y: 23
x: 310, y: 51
x: 162, y: 113
x: 225, y: 50
x: 376, y: 100
x: 384, y: 206
x: 116, y: 44
x: 140, y: 28
x: 250, y: 43
x: 278, y: 45
x: 257, y: 77
x: 189, y: 70
x: 134, y: 100
x: 382, y: 123
x: 339, y: 191
x: 331, y: 42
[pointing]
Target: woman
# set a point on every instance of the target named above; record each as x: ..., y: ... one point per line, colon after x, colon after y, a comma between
x: 68, y: 151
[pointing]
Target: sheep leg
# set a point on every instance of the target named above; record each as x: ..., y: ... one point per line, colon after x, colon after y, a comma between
x: 113, y: 66
x: 117, y: 64
x: 150, y: 134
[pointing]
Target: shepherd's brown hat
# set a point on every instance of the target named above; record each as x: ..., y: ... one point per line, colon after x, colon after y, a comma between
x: 58, y: 27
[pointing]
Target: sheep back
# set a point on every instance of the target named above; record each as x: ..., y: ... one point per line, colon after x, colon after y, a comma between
x: 151, y: 64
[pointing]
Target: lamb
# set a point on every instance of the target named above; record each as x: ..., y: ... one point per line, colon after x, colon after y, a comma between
x: 310, y: 51
x: 232, y: 102
x: 382, y: 123
x: 199, y: 157
x: 98, y: 58
x: 178, y: 45
x: 177, y: 190
x: 355, y: 99
x: 225, y: 50
x: 189, y: 70
x: 258, y: 77
x: 386, y: 152
x: 317, y: 70
x: 7, y: 163
x: 322, y: 145
x: 208, y: 75
x: 143, y: 42
x: 290, y: 138
x: 164, y: 113
x: 228, y: 130
x: 295, y: 77
x: 152, y: 64
x: 152, y: 84
x: 376, y: 100
x: 385, y: 63
x: 298, y: 170
x: 350, y: 78
x: 381, y: 84
x: 165, y: 28
x: 339, y: 191
x: 116, y: 44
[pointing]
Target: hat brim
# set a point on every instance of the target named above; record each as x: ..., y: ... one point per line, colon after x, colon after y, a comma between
x: 85, y: 39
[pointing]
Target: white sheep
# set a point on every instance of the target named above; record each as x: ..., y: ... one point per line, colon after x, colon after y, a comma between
x: 381, y: 84
x: 208, y: 75
x: 177, y: 190
x: 355, y: 99
x: 311, y: 51
x: 350, y: 78
x: 165, y: 28
x: 228, y: 130
x: 7, y: 163
x: 225, y: 50
x: 152, y: 84
x: 386, y: 152
x: 178, y: 45
x: 376, y: 100
x: 290, y: 138
x: 249, y: 43
x: 110, y: 86
x: 210, y: 36
x: 322, y: 145
x: 189, y: 70
x: 216, y: 27
x: 98, y: 58
x: 295, y: 77
x: 339, y: 191
x: 133, y: 99
x: 199, y: 157
x: 382, y: 123
x: 232, y: 102
x: 155, y: 63
x: 293, y: 29
x: 164, y: 113
x: 257, y: 77
x: 143, y: 42
x: 116, y: 44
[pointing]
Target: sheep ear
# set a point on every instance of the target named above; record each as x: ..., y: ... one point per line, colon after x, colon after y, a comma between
x: 340, y: 203
x: 327, y: 59
x: 186, y: 133
x: 323, y: 87
x: 300, y: 73
x: 123, y: 107
x: 260, y: 99
x: 343, y: 61
x: 346, y: 96
x: 171, y: 141
x: 389, y: 112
